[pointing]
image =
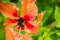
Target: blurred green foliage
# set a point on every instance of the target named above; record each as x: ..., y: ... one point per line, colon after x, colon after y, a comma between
x: 57, y: 16
x: 2, y: 28
x: 50, y: 26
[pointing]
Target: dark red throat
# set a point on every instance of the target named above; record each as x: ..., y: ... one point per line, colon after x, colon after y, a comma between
x: 21, y: 22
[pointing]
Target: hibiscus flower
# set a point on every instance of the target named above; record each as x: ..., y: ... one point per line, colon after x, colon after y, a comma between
x: 25, y: 21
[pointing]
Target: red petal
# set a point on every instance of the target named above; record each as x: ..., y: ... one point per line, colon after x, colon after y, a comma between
x: 15, y: 14
x: 29, y: 26
x: 19, y: 28
x: 22, y: 28
x: 11, y: 20
x: 32, y: 28
x: 28, y: 17
x: 9, y: 10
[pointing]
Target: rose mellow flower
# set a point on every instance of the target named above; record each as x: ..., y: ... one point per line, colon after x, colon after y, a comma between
x: 25, y: 21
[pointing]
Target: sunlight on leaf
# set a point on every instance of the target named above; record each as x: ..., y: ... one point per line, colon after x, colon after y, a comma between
x: 57, y: 16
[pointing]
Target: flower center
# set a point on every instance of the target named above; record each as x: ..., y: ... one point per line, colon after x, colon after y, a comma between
x: 21, y: 22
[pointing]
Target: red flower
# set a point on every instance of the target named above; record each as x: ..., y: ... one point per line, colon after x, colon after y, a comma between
x: 24, y: 21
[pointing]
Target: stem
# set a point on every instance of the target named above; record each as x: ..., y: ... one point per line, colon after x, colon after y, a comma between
x: 20, y: 31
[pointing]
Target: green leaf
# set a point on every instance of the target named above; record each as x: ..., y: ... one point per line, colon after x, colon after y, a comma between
x: 22, y: 32
x: 57, y: 16
x: 14, y: 1
x: 58, y: 32
x: 47, y: 38
x: 41, y: 7
x: 2, y: 19
x: 33, y: 36
x: 40, y: 38
x: 2, y: 32
x: 53, y: 36
x: 43, y: 31
x: 46, y: 20
x: 58, y: 39
x: 6, y: 1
